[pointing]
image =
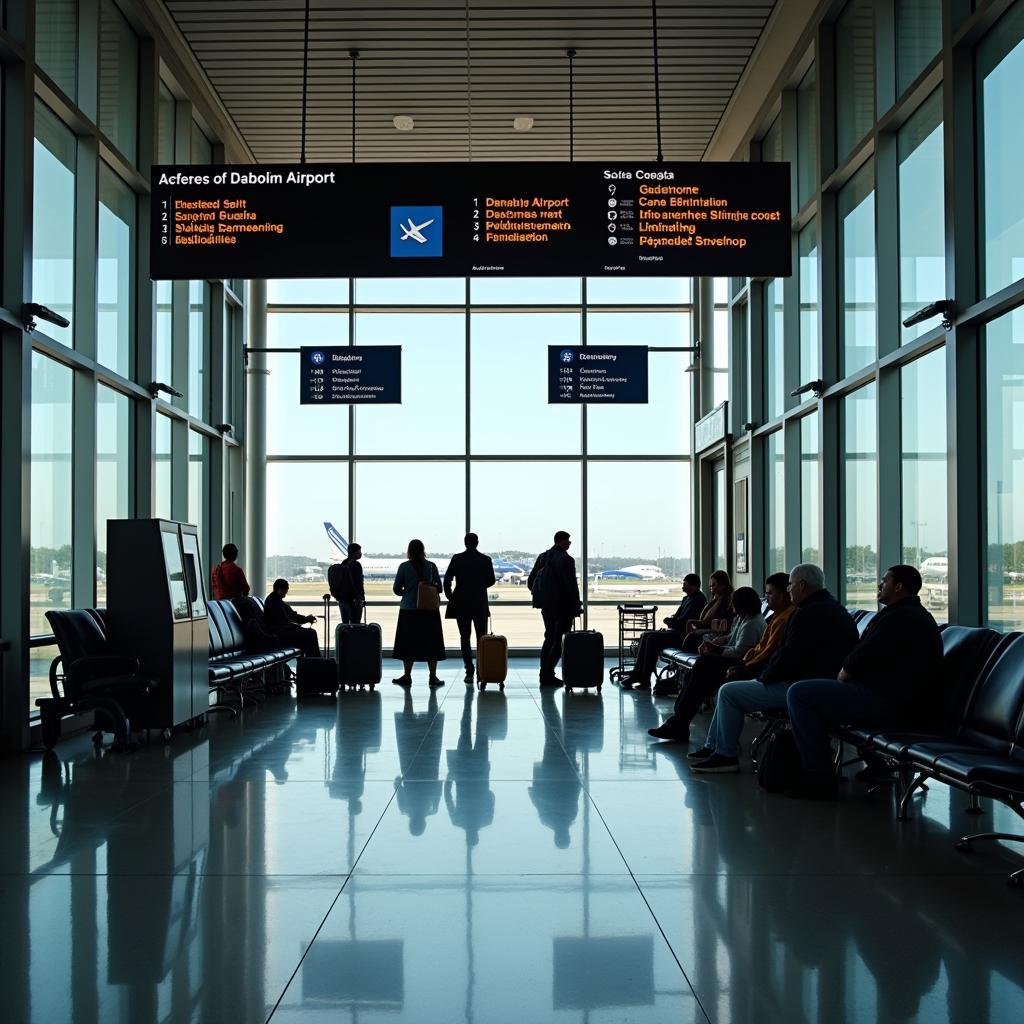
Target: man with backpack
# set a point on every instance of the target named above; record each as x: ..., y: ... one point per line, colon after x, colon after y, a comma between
x: 556, y: 592
x: 345, y: 581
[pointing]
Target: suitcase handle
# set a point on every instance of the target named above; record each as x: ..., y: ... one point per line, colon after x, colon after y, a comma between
x: 327, y: 618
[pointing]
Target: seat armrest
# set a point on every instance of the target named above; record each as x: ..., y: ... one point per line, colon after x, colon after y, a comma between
x: 94, y: 666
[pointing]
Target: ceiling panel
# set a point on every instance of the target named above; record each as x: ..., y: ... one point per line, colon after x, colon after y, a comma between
x: 463, y: 70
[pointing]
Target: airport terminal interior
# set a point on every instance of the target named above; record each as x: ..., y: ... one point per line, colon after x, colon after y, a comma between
x: 835, y: 377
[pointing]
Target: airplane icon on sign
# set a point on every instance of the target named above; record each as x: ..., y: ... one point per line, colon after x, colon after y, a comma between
x: 415, y: 231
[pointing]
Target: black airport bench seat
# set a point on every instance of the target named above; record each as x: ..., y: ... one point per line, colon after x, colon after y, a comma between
x: 231, y: 662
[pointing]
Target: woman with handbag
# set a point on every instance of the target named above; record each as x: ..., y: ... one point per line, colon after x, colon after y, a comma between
x: 419, y: 635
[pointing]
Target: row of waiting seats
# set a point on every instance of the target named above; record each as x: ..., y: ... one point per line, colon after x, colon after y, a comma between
x: 89, y: 675
x: 971, y: 733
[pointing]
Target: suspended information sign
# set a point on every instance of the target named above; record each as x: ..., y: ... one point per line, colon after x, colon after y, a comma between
x: 350, y: 375
x: 597, y: 374
x: 458, y: 220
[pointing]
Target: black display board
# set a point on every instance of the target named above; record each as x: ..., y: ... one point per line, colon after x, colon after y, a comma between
x: 350, y: 375
x: 458, y: 220
x: 597, y: 374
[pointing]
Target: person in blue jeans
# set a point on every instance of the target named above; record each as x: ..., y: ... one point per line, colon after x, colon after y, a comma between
x: 883, y: 681
x: 818, y: 637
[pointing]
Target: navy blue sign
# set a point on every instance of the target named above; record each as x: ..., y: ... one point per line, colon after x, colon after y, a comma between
x: 597, y: 374
x: 360, y: 375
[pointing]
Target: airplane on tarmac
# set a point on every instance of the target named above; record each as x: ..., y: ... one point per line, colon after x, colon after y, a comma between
x: 385, y: 568
x: 415, y: 231
x: 632, y: 572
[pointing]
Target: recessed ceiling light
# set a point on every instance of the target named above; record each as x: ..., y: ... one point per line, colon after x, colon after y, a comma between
x: 522, y: 124
x: 404, y: 123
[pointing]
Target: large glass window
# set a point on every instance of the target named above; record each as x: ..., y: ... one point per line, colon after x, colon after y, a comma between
x: 922, y: 226
x: 57, y: 42
x: 166, y: 126
x: 774, y: 345
x: 53, y: 220
x: 1004, y: 484
x: 162, y: 507
x: 771, y: 144
x: 918, y: 38
x: 200, y: 147
x: 321, y: 292
x: 662, y: 427
x: 509, y: 359
x: 775, y: 503
x: 855, y: 75
x: 119, y: 80
x: 807, y: 137
x: 860, y: 499
x: 113, y: 466
x: 431, y: 418
x: 923, y: 476
x: 115, y: 272
x: 51, y: 497
x: 1000, y: 63
x: 198, y: 348
x: 810, y: 366
x: 858, y: 327
x: 810, y: 490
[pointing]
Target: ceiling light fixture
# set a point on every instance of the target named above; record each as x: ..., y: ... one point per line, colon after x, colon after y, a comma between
x: 404, y: 123
x: 522, y: 124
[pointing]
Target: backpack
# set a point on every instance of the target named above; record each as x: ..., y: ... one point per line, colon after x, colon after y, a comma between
x: 779, y: 766
x: 539, y: 587
x: 339, y: 581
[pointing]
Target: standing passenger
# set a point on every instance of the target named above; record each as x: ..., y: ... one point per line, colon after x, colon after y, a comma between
x: 227, y: 580
x: 419, y: 636
x: 473, y: 573
x: 556, y: 592
x: 345, y: 580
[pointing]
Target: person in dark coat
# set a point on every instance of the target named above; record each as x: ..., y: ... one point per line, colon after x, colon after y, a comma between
x: 883, y: 680
x: 556, y: 592
x: 466, y: 580
x: 654, y: 641
x: 418, y: 636
x: 818, y: 636
x: 345, y: 581
x: 284, y: 622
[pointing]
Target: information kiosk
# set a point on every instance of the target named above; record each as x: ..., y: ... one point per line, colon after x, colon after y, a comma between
x: 156, y: 611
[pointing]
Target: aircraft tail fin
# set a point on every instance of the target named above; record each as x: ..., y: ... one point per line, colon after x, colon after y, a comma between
x: 336, y: 539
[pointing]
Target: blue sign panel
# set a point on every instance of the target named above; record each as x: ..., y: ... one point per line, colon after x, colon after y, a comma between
x: 417, y: 231
x: 347, y: 375
x: 597, y: 374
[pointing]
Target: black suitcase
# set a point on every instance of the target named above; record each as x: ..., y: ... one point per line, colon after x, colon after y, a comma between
x: 316, y: 676
x: 360, y: 653
x: 583, y: 659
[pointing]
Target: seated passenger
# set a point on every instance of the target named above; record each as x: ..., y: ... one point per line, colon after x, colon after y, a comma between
x: 780, y: 607
x: 286, y: 624
x: 227, y: 580
x: 818, y: 637
x: 716, y: 657
x: 716, y: 616
x: 654, y: 641
x: 882, y: 681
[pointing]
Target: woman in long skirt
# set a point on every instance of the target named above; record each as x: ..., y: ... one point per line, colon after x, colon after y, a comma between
x: 419, y: 635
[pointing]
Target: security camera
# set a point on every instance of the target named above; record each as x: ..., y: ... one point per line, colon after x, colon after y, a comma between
x: 225, y: 428
x: 817, y: 386
x: 943, y: 306
x: 156, y: 386
x: 31, y: 310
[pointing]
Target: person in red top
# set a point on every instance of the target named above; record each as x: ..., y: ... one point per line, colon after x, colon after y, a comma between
x: 227, y: 579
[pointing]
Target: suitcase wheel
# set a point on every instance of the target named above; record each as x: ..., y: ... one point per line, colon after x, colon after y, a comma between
x: 501, y: 686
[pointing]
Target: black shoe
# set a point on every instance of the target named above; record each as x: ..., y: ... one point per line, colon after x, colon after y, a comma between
x: 551, y: 681
x: 700, y: 755
x: 816, y: 786
x: 435, y: 681
x: 717, y: 763
x: 403, y: 681
x: 663, y: 732
x: 643, y: 684
x: 469, y: 677
x: 627, y: 681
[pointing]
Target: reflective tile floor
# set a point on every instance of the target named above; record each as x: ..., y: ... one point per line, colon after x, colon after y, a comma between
x: 485, y: 857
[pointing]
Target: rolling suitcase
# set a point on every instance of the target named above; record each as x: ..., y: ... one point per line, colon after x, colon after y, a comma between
x: 359, y: 651
x: 582, y: 659
x: 491, y: 659
x: 316, y: 676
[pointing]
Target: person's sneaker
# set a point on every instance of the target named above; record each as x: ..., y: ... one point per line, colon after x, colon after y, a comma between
x: 662, y: 732
x: 435, y: 681
x: 643, y: 684
x: 700, y: 755
x: 403, y: 681
x: 551, y: 681
x: 627, y: 682
x: 716, y: 763
x: 815, y: 787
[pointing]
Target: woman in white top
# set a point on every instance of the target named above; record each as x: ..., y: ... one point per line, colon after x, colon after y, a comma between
x: 419, y: 635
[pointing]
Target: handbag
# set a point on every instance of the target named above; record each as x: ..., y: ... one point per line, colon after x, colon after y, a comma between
x: 428, y: 597
x: 779, y: 767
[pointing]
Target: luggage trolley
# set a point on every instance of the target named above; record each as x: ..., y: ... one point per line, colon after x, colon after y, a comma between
x: 634, y: 620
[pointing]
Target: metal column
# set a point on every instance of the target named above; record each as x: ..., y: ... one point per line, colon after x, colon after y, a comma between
x: 256, y: 374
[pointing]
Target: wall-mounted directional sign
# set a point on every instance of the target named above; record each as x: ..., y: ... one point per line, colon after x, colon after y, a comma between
x: 597, y: 374
x: 459, y: 220
x: 350, y: 375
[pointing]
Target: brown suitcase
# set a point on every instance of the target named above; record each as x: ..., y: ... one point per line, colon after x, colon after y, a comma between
x: 491, y: 660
